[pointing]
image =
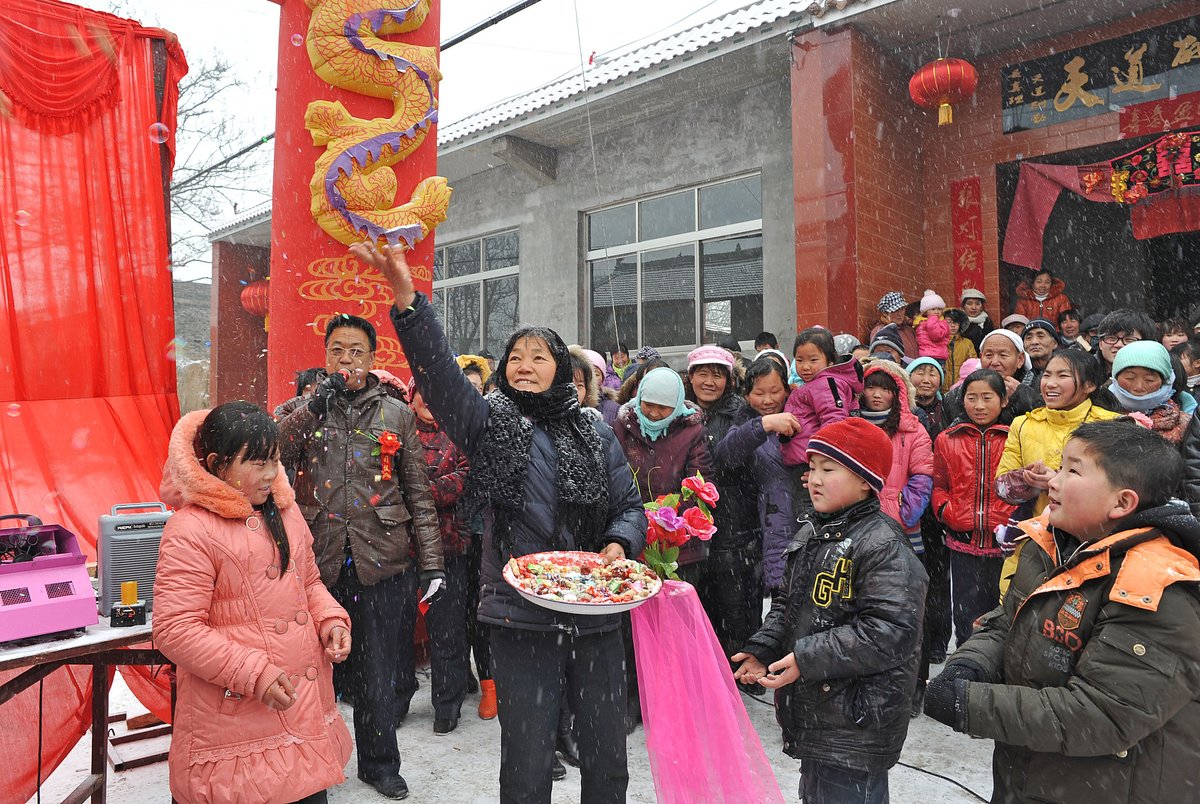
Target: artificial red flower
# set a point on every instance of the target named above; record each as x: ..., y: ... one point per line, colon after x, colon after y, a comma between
x: 705, y: 491
x: 698, y: 524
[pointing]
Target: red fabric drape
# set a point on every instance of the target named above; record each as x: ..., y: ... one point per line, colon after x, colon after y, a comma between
x: 87, y: 373
x: 66, y: 698
x: 1039, y: 187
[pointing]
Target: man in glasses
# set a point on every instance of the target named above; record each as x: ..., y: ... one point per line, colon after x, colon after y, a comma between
x: 362, y: 484
x: 1118, y: 329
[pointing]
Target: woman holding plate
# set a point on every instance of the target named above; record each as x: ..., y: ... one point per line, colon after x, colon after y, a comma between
x: 550, y: 479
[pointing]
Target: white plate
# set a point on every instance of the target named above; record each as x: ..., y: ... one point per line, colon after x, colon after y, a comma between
x: 591, y: 609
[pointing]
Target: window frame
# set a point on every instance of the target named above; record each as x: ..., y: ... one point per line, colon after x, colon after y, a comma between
x: 479, y: 278
x: 698, y: 237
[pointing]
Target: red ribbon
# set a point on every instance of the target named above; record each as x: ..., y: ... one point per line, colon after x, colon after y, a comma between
x: 389, y: 445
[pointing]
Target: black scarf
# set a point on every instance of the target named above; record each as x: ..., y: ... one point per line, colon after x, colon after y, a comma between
x: 501, y: 464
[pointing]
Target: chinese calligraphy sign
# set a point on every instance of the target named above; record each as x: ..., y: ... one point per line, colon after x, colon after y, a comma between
x: 966, y: 223
x: 1156, y: 64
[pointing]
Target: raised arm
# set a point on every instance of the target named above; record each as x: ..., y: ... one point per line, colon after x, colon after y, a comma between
x: 459, y: 409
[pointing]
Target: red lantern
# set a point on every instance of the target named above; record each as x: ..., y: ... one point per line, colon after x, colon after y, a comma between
x: 942, y: 82
x: 254, y: 298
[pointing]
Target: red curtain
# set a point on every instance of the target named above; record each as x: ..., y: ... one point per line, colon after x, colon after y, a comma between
x: 87, y: 372
x: 1163, y: 211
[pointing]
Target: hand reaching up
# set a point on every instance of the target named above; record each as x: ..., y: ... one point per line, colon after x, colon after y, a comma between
x: 391, y: 262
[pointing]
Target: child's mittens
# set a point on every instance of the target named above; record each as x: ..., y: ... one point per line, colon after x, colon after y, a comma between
x: 946, y: 696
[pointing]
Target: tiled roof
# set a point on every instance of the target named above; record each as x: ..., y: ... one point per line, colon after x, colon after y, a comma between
x: 256, y: 214
x: 610, y: 68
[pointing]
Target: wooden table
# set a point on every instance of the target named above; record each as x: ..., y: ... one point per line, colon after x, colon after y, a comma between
x: 101, y: 646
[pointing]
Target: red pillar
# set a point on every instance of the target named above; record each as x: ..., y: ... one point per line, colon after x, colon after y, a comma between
x: 238, y: 352
x: 312, y: 277
x: 823, y: 159
x: 860, y: 195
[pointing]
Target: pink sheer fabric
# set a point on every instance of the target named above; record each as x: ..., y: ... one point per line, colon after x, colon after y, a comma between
x: 702, y: 745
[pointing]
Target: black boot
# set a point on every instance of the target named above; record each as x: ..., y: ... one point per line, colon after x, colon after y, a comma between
x: 566, y: 743
x: 558, y: 771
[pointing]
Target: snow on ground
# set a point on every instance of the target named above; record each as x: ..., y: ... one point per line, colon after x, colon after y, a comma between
x: 464, y: 766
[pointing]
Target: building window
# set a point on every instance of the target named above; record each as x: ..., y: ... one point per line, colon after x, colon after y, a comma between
x: 679, y: 269
x: 476, y: 288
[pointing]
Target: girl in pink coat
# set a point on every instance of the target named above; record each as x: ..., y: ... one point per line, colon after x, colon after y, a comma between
x: 886, y: 402
x: 240, y: 609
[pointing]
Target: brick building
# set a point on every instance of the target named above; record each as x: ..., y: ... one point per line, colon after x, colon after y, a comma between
x: 768, y: 170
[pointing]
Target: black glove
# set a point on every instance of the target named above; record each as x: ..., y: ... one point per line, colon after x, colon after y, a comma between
x: 427, y: 578
x: 325, y: 393
x: 946, y: 701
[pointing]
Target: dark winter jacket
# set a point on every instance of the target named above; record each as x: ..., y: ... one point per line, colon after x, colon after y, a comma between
x: 1091, y: 667
x: 975, y: 333
x: 964, y: 494
x: 736, y: 515
x: 830, y: 396
x: 1190, y: 447
x: 908, y: 338
x: 851, y: 611
x: 464, y: 415
x: 609, y: 408
x: 659, y: 467
x: 343, y: 496
x: 932, y: 420
x: 1050, y: 309
x: 749, y: 446
x: 447, y: 476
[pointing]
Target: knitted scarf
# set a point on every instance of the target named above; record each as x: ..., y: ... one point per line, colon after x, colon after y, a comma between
x: 500, y: 465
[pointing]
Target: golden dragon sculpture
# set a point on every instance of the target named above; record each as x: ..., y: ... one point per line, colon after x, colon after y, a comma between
x: 353, y: 185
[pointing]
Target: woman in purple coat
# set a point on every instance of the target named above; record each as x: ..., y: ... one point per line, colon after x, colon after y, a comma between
x: 756, y: 444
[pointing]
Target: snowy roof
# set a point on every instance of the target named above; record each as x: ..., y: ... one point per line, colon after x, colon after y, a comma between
x: 256, y: 214
x: 725, y: 29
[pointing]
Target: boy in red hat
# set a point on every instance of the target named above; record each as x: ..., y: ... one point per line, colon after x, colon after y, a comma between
x: 842, y: 642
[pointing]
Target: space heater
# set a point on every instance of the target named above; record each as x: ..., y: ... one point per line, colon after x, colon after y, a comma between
x: 128, y: 551
x: 44, y: 583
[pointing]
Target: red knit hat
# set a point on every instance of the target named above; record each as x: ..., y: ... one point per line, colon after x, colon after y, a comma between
x: 858, y: 445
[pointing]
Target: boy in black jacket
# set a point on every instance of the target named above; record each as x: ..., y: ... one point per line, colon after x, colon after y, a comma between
x: 841, y: 644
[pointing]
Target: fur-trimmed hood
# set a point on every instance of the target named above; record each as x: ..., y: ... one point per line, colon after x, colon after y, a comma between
x: 1057, y: 288
x: 907, y: 392
x: 186, y: 481
x: 591, y: 397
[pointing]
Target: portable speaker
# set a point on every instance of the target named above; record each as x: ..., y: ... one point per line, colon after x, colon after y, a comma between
x: 128, y: 551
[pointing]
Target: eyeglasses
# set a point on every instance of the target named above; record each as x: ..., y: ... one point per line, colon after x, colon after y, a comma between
x: 1113, y: 340
x: 337, y: 352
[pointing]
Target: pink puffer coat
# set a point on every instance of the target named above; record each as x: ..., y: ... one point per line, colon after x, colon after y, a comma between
x: 231, y: 625
x: 910, y: 481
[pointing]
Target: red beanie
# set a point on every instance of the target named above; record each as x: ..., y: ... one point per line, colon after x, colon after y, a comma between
x: 858, y: 445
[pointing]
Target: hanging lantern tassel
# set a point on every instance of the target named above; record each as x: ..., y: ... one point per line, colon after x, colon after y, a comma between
x: 941, y: 83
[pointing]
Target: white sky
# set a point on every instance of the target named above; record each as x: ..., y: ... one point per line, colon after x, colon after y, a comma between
x: 525, y: 51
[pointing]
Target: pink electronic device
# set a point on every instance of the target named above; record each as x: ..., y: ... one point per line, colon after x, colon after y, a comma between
x: 44, y: 584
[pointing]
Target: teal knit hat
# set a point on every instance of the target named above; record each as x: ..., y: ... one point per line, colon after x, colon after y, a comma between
x: 927, y: 361
x: 1146, y: 354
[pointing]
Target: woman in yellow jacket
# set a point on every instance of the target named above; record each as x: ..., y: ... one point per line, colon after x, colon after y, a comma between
x: 1033, y: 451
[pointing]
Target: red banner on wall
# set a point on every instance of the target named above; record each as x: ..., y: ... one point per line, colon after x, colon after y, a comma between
x: 966, y: 223
x: 1156, y: 117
